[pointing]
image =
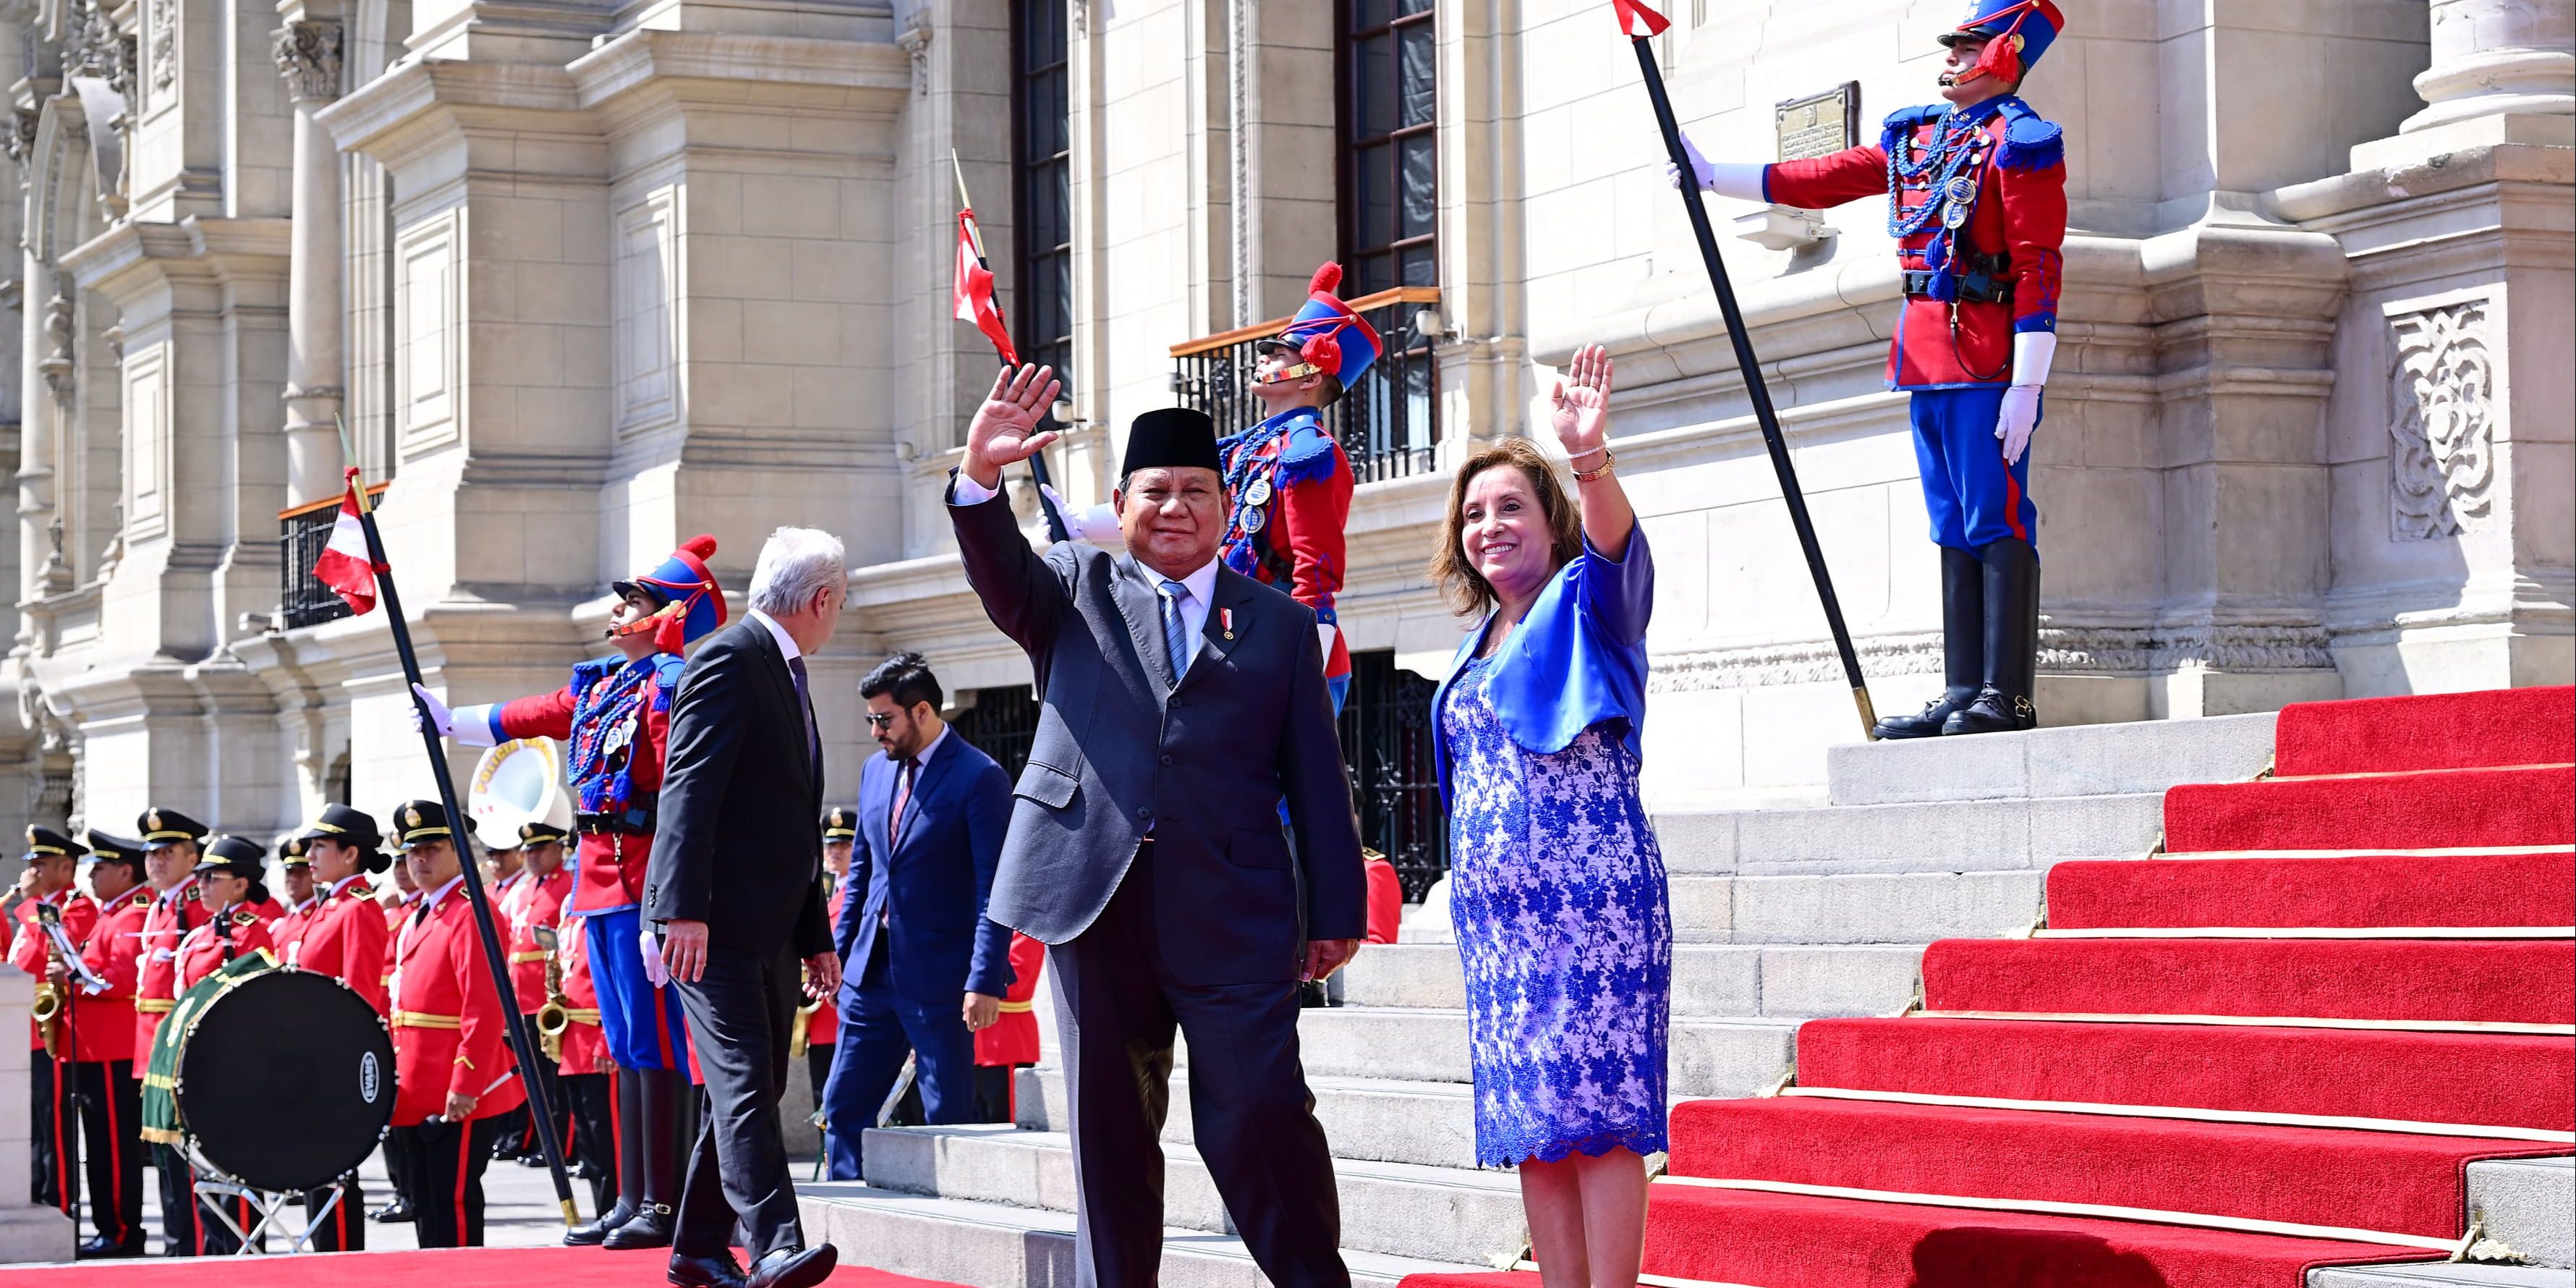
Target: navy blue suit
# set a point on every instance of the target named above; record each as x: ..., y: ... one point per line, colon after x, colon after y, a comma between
x: 914, y: 941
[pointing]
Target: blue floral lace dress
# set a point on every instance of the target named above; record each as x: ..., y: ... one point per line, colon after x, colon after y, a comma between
x: 1556, y: 889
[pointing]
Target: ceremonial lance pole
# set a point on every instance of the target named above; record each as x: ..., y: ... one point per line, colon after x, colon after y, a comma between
x: 971, y: 238
x: 1641, y: 24
x: 522, y: 1047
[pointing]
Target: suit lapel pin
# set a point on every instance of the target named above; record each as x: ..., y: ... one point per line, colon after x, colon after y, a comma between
x: 1226, y: 617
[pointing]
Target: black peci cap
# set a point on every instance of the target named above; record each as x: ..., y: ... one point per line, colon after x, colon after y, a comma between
x: 1171, y: 438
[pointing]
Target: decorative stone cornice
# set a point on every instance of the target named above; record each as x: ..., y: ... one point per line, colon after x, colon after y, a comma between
x: 915, y: 40
x: 308, y: 55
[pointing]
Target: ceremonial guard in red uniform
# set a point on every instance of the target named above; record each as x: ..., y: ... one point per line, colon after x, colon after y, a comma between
x: 823, y: 1018
x: 48, y: 891
x: 535, y: 903
x: 343, y: 936
x: 1978, y: 205
x: 616, y: 716
x: 111, y: 1091
x: 295, y: 875
x: 454, y: 1083
x: 230, y: 891
x: 1010, y: 1043
x: 171, y: 843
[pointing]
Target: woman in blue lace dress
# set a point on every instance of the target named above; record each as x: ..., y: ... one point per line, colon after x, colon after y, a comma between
x: 1556, y: 885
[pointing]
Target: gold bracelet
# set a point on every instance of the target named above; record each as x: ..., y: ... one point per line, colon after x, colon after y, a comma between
x: 1608, y: 459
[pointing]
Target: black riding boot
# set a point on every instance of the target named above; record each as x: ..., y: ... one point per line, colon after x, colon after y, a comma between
x: 665, y: 1092
x: 629, y: 1093
x: 2012, y: 643
x: 1963, y: 646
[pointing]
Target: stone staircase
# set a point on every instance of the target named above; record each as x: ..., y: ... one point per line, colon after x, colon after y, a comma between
x: 1782, y: 914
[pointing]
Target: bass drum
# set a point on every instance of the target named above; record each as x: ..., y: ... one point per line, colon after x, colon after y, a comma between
x: 286, y: 1081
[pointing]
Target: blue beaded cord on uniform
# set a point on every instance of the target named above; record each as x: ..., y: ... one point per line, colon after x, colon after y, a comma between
x: 1955, y: 147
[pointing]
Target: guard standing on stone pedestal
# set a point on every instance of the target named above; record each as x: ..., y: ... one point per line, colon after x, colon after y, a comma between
x: 1977, y: 190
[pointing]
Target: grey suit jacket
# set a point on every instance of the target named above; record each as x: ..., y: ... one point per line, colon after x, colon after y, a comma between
x: 1123, y: 752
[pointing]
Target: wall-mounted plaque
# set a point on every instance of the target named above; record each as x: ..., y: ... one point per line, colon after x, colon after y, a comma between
x: 1819, y: 125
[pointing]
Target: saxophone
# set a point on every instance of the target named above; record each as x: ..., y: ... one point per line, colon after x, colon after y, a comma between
x: 555, y: 1016
x: 48, y: 1009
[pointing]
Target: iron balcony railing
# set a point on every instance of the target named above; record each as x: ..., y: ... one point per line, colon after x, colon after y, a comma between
x: 302, y: 599
x: 1389, y: 422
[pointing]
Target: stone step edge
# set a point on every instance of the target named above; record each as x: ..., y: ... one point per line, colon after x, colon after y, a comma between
x: 1010, y: 1136
x: 1031, y: 1225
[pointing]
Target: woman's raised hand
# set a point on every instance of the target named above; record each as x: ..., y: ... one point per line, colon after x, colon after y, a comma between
x: 1004, y: 431
x: 1581, y: 413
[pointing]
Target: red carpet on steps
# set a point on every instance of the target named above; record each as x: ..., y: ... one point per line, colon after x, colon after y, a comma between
x: 2520, y: 981
x: 2487, y: 1080
x: 455, y: 1267
x: 2449, y: 731
x: 2433, y: 810
x: 2376, y: 890
x: 2366, y: 1180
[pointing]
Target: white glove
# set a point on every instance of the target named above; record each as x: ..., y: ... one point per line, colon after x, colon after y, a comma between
x: 1740, y: 181
x: 654, y: 970
x: 1324, y: 632
x: 1096, y: 524
x: 439, y: 715
x: 2034, y: 353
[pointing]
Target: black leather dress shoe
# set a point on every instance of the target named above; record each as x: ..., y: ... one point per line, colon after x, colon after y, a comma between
x: 590, y: 1234
x: 99, y: 1247
x: 794, y: 1267
x: 718, y: 1271
x: 398, y: 1210
x: 650, y: 1228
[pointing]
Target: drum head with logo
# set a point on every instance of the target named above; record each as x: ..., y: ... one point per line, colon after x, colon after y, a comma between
x: 286, y: 1081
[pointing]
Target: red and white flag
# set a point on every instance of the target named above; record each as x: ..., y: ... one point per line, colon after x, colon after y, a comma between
x: 1638, y: 20
x: 972, y: 291
x: 343, y: 565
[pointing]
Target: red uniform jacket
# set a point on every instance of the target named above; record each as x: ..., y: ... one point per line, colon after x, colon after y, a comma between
x: 1013, y: 1039
x: 449, y: 1029
x: 347, y: 938
x: 288, y: 931
x: 205, y: 950
x: 1299, y: 546
x: 27, y: 952
x: 585, y: 1045
x: 1385, y: 901
x: 114, y: 952
x: 611, y: 865
x: 174, y: 913
x: 2020, y: 211
x: 533, y: 904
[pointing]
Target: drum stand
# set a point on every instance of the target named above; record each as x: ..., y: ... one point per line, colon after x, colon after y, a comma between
x: 269, y: 1205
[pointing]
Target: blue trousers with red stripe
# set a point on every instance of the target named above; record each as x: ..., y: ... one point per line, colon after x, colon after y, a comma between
x: 1974, y: 499
x: 644, y: 1025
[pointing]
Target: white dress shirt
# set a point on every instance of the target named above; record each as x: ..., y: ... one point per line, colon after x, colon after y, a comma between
x: 786, y: 642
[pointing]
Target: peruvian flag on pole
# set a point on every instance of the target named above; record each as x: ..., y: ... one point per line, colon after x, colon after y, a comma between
x: 1638, y: 20
x: 973, y: 289
x: 343, y: 565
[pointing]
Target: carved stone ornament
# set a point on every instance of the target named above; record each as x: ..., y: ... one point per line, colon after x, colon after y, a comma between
x: 915, y: 40
x: 308, y: 53
x: 21, y: 138
x: 2441, y: 457
x: 165, y: 44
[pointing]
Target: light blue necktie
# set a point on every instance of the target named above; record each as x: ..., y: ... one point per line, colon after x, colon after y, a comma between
x: 1176, y: 637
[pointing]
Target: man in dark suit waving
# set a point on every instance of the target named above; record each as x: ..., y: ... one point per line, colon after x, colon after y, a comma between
x: 736, y: 885
x: 921, y: 967
x: 1182, y: 703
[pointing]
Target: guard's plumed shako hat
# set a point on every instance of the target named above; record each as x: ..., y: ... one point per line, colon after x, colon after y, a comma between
x: 2016, y: 33
x: 538, y: 833
x: 1326, y: 334
x: 164, y: 826
x: 693, y: 605
x: 345, y: 825
x: 417, y: 822
x: 238, y: 855
x: 840, y: 823
x: 1171, y: 438
x: 46, y: 843
x: 108, y: 845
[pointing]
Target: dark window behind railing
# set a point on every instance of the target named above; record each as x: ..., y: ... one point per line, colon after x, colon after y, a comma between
x: 1389, y: 422
x: 1002, y: 724
x: 302, y: 599
x: 1387, y: 734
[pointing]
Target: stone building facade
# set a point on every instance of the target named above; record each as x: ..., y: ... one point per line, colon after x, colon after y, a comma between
x: 577, y: 279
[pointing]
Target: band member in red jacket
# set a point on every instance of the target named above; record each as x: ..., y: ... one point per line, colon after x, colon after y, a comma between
x: 398, y: 1160
x: 171, y: 849
x: 229, y: 888
x: 1010, y: 1043
x: 616, y: 714
x: 343, y: 936
x: 585, y: 1072
x: 111, y: 1089
x: 533, y: 903
x: 454, y: 1082
x: 1977, y: 188
x: 48, y: 887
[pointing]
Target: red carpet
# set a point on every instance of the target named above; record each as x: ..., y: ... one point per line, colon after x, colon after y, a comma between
x: 2529, y: 981
x: 2449, y: 731
x: 2365, y: 1180
x: 455, y: 1268
x: 2437, y: 809
x: 2488, y: 1080
x: 2381, y: 890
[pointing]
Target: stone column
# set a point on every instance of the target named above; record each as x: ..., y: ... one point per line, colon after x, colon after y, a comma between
x: 2498, y: 58
x: 308, y: 53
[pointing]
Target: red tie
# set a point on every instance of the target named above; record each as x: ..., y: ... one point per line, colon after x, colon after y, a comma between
x: 902, y: 798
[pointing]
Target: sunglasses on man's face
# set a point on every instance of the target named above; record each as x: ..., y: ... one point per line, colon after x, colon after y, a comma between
x: 881, y: 719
